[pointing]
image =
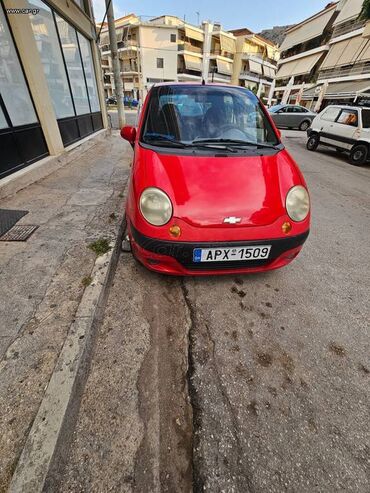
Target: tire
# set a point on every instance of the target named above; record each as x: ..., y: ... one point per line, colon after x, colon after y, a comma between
x: 313, y: 142
x: 359, y: 154
x: 305, y: 125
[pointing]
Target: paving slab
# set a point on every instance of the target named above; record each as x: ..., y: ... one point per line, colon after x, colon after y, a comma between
x: 41, y: 279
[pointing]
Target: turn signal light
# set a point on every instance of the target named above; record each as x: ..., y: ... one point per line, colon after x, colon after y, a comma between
x: 175, y: 231
x: 286, y: 227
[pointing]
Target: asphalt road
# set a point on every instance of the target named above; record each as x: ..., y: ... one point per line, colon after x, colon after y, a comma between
x: 266, y: 377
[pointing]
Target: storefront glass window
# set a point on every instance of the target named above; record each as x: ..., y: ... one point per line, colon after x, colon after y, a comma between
x: 87, y: 61
x: 13, y: 88
x: 51, y: 56
x: 3, y: 123
x: 68, y: 39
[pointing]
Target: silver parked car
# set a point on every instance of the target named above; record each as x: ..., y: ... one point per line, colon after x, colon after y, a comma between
x: 291, y: 116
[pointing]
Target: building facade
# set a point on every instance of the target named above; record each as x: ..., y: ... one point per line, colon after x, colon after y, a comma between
x: 301, y: 54
x: 51, y: 92
x: 166, y: 48
x: 255, y: 63
x: 344, y: 73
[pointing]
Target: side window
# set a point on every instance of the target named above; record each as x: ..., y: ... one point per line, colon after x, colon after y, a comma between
x: 301, y: 109
x: 160, y: 63
x: 290, y: 109
x: 330, y: 114
x: 366, y: 118
x: 173, y: 38
x: 348, y: 117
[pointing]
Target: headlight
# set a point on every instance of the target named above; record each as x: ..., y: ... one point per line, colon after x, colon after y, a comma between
x: 297, y: 203
x: 155, y: 206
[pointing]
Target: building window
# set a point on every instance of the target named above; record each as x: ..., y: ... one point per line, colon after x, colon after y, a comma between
x: 69, y: 70
x: 71, y: 52
x: 88, y: 65
x: 3, y: 122
x: 21, y: 138
x: 48, y: 45
x: 173, y: 38
x: 13, y: 88
x: 160, y: 63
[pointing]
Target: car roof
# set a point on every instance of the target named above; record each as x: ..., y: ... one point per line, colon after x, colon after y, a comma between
x: 345, y: 106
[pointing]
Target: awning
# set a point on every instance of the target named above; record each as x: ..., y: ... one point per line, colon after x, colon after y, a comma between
x: 339, y: 90
x: 346, y: 52
x: 193, y: 34
x: 268, y: 71
x: 350, y: 10
x: 193, y: 63
x: 307, y: 30
x: 298, y: 67
x: 255, y: 67
x: 224, y: 67
x: 104, y: 39
x: 119, y: 34
x: 227, y: 44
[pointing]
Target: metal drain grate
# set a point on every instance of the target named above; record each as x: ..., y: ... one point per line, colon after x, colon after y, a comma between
x: 8, y: 218
x: 18, y: 233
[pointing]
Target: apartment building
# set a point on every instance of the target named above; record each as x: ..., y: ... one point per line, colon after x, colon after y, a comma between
x: 255, y: 63
x: 302, y: 52
x: 165, y: 49
x: 345, y: 71
x: 51, y: 92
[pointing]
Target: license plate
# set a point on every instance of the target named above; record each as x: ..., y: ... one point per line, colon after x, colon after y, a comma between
x: 231, y: 254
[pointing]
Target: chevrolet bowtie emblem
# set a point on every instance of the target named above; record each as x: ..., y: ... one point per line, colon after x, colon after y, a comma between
x: 232, y: 220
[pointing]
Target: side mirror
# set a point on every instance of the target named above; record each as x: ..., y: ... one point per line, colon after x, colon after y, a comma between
x: 129, y: 133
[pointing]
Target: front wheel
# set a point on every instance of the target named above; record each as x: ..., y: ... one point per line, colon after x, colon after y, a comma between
x: 304, y: 126
x: 313, y: 142
x: 358, y: 154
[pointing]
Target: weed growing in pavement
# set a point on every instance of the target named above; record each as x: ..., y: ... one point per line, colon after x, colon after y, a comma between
x: 86, y: 281
x: 100, y: 246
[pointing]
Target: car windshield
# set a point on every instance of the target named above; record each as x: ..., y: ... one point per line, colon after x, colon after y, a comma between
x: 191, y: 114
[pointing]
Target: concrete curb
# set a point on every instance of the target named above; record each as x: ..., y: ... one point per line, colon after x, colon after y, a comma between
x: 45, y: 449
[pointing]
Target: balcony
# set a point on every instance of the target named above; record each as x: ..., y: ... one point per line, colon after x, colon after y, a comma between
x: 347, y: 27
x: 186, y: 46
x: 219, y: 76
x: 359, y: 69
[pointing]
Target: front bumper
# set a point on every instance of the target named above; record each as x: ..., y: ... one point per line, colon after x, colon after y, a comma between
x: 176, y: 257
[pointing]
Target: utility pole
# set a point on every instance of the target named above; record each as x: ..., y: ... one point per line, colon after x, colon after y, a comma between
x: 115, y: 63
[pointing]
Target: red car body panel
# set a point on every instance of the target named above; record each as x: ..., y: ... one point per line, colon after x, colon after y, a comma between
x: 203, y: 191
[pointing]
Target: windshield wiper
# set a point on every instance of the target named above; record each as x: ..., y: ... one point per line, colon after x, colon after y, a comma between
x: 233, y: 142
x: 159, y: 139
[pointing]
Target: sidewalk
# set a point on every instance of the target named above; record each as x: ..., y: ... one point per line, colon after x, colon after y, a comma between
x: 42, y: 278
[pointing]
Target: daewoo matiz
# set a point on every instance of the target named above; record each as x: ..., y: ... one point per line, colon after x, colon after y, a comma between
x: 212, y: 188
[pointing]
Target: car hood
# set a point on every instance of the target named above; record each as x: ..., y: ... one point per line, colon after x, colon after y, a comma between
x: 205, y: 190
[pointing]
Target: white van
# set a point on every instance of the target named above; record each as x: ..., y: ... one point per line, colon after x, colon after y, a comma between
x: 346, y: 128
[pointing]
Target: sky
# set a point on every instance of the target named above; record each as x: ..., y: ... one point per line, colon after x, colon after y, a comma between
x: 232, y: 14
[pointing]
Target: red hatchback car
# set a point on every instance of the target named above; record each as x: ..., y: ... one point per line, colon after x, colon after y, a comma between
x: 212, y: 188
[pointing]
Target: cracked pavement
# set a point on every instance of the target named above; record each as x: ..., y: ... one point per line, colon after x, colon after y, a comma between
x: 256, y: 383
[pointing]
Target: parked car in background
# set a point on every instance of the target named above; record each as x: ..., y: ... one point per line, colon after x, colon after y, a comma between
x: 213, y: 189
x: 291, y: 116
x: 346, y: 128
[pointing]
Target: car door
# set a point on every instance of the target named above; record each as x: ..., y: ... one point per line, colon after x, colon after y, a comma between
x: 300, y: 114
x: 342, y: 132
x: 279, y: 116
x: 324, y: 124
